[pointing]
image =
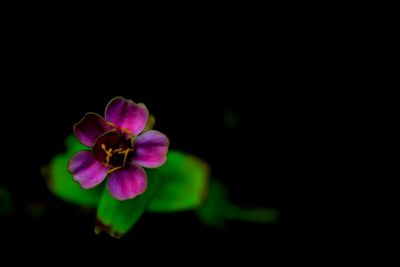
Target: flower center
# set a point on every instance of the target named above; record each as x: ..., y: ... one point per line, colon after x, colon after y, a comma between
x: 113, y: 149
x: 116, y: 158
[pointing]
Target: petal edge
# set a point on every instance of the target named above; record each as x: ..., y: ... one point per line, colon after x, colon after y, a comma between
x: 127, y: 183
x: 127, y: 115
x: 151, y: 149
x: 91, y: 126
x: 86, y: 170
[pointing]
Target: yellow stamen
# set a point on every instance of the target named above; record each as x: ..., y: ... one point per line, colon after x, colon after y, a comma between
x: 122, y: 129
x: 113, y: 169
x: 125, y: 152
x: 110, y: 152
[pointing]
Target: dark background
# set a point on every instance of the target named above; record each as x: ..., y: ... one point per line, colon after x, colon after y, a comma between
x: 191, y: 85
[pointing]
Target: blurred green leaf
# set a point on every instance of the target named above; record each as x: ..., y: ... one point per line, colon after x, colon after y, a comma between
x: 217, y: 210
x: 183, y: 183
x: 116, y: 217
x: 73, y: 145
x: 6, y: 202
x: 61, y: 182
x: 180, y: 184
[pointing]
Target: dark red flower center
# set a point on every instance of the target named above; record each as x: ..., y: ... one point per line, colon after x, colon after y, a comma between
x: 114, y: 149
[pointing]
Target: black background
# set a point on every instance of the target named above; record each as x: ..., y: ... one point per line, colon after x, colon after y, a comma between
x: 189, y: 84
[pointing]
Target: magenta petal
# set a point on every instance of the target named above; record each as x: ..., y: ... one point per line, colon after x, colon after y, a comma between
x: 127, y: 114
x: 86, y: 170
x: 90, y: 127
x: 151, y: 149
x: 127, y: 182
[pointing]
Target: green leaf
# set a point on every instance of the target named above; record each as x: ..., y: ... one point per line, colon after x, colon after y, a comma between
x: 61, y: 183
x: 116, y: 217
x: 217, y: 210
x: 73, y: 145
x: 180, y: 184
x: 6, y: 202
x: 183, y: 183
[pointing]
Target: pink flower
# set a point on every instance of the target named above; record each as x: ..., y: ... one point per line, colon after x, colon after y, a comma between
x: 119, y: 149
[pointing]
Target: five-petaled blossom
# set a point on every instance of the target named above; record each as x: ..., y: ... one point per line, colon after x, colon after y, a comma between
x: 119, y: 149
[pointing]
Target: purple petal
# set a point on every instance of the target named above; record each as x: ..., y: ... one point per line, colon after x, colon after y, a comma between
x: 127, y: 182
x: 127, y: 115
x: 90, y: 127
x: 151, y: 149
x: 86, y: 170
